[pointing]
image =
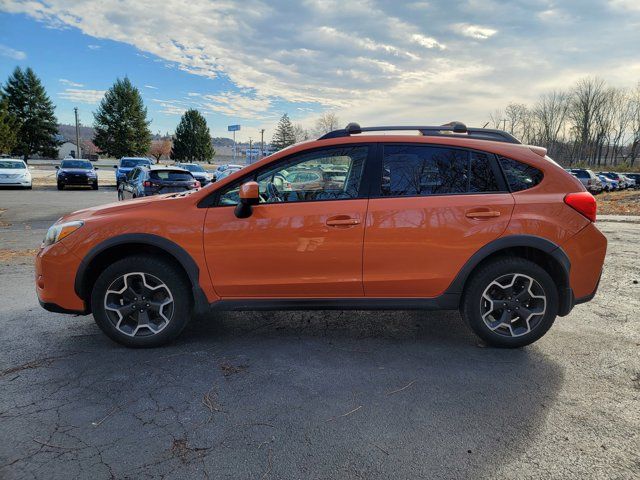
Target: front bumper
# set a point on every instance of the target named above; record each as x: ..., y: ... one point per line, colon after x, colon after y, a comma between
x: 55, y: 273
x: 15, y: 182
x: 77, y: 180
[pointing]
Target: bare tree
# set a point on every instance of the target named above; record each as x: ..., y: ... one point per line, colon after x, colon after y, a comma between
x: 588, y: 99
x: 327, y: 122
x: 160, y: 148
x: 300, y: 133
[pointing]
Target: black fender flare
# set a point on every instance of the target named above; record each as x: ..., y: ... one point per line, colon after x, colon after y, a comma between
x: 511, y: 241
x: 176, y: 251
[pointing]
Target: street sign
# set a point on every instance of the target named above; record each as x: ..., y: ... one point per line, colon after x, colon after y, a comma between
x: 233, y: 128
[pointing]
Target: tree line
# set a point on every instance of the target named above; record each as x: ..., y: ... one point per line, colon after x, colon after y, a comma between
x: 28, y: 125
x: 590, y: 124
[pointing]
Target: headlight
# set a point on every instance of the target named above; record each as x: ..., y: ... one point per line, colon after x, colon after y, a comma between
x: 91, y: 174
x: 59, y: 231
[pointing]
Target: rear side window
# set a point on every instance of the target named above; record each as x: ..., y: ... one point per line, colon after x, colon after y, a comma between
x: 520, y: 176
x: 417, y: 170
x: 171, y: 176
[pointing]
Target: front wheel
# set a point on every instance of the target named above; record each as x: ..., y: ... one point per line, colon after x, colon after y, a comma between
x: 60, y: 186
x: 511, y: 302
x: 141, y: 301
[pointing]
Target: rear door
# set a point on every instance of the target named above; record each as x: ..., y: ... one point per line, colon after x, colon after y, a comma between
x: 432, y: 207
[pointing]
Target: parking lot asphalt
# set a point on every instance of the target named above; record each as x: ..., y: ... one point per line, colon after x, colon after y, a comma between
x: 311, y: 395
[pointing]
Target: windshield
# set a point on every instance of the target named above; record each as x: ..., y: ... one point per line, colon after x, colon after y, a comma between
x: 134, y: 162
x: 193, y: 168
x: 76, y: 164
x: 12, y: 164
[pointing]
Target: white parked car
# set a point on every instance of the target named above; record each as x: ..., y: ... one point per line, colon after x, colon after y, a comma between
x: 15, y: 173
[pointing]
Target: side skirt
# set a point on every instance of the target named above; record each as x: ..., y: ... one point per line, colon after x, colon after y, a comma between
x: 447, y: 301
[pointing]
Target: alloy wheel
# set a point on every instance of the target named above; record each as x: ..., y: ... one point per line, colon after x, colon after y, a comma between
x: 513, y: 305
x: 139, y: 304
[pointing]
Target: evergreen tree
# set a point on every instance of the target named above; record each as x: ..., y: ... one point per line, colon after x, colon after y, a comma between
x: 33, y: 113
x: 193, y: 139
x: 284, y: 135
x: 8, y: 126
x: 121, y: 124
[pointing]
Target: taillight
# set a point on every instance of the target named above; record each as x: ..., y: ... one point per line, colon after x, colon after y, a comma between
x: 147, y: 183
x: 583, y: 203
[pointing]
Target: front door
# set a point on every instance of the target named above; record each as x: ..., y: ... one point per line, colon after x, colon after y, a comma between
x: 304, y: 238
x: 432, y: 208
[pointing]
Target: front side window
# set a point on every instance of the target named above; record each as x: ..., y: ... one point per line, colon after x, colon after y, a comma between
x: 418, y: 170
x: 520, y: 176
x: 329, y: 174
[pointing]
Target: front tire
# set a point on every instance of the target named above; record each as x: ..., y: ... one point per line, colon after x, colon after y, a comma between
x: 510, y: 302
x: 60, y: 186
x: 141, y: 301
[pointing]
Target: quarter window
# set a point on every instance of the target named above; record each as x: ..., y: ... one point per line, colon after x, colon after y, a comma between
x: 330, y: 174
x: 416, y: 170
x: 520, y: 176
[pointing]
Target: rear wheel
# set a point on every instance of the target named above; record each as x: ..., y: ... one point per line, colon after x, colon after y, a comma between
x: 510, y: 302
x: 141, y: 301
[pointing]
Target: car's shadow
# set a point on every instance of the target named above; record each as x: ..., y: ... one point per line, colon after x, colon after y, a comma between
x: 290, y: 394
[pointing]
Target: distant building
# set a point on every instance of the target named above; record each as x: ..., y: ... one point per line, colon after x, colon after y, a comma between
x: 67, y: 149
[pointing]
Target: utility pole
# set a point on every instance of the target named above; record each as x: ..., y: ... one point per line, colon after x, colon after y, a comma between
x: 78, y: 153
x: 262, y: 143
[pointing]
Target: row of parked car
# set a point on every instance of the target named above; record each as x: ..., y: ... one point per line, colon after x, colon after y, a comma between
x: 605, y: 181
x: 138, y: 177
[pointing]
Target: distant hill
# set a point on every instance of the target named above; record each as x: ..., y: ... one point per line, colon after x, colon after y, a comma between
x: 87, y: 133
x: 69, y: 132
x: 222, y: 141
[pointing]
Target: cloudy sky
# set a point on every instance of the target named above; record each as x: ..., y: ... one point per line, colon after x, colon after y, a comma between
x: 375, y: 62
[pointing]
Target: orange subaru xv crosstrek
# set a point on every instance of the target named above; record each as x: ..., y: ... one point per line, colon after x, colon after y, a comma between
x: 452, y: 218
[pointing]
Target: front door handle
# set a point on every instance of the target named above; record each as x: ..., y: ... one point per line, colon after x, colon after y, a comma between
x: 342, y: 221
x: 482, y: 214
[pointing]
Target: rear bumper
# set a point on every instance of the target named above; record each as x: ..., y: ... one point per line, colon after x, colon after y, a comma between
x: 586, y: 251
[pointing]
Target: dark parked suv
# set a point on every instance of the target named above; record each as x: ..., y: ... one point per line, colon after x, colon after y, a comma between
x: 76, y: 172
x: 144, y: 181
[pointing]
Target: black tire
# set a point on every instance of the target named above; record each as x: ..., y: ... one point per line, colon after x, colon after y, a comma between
x: 60, y: 186
x: 471, y: 305
x: 169, y: 274
x: 95, y: 186
x: 120, y: 197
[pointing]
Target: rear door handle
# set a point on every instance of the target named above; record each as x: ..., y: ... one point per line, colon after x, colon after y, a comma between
x: 482, y: 214
x: 342, y: 221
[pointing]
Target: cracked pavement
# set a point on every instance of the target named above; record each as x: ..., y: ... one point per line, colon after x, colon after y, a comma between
x: 311, y: 395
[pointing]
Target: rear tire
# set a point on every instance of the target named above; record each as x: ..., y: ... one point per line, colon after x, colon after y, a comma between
x: 141, y: 301
x: 496, y: 296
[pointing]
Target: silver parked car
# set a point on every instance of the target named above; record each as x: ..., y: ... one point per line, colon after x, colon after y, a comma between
x: 589, y: 179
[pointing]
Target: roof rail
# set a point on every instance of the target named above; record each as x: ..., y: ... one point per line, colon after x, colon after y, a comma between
x: 448, y: 130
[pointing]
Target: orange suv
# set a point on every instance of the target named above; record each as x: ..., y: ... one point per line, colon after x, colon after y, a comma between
x: 452, y: 218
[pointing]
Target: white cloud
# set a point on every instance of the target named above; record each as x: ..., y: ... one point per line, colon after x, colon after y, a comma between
x: 69, y: 83
x: 151, y: 87
x: 12, y: 53
x: 426, y: 42
x: 80, y: 95
x: 474, y: 31
x: 372, y: 61
x: 93, y: 47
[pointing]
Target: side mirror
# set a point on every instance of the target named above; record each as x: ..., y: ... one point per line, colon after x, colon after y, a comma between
x: 57, y: 167
x: 249, y: 196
